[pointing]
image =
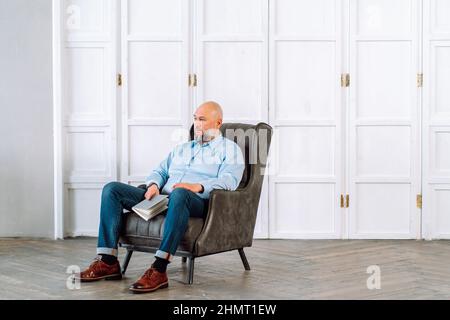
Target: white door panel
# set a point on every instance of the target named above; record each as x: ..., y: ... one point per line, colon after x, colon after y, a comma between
x: 383, y: 18
x: 305, y: 18
x: 82, y: 216
x: 384, y: 157
x: 232, y: 74
x: 436, y: 119
x: 89, y: 143
x: 86, y: 20
x: 230, y: 61
x: 155, y: 17
x: 305, y: 41
x: 305, y: 210
x: 155, y: 66
x: 230, y: 57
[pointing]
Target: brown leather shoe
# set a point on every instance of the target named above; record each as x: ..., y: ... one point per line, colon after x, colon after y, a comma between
x: 99, y: 270
x: 150, y: 281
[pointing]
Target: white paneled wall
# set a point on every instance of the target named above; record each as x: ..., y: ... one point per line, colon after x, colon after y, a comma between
x: 436, y: 119
x: 230, y: 57
x: 384, y: 109
x: 88, y: 103
x: 306, y: 103
x: 351, y: 154
x: 230, y: 60
x: 155, y: 95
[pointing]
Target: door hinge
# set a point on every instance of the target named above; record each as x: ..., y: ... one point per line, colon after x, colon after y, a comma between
x: 119, y: 79
x: 192, y: 80
x: 420, y: 80
x: 345, y: 201
x: 419, y: 201
x: 345, y: 80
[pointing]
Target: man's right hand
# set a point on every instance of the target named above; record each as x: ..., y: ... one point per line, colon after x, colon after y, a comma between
x: 151, y: 192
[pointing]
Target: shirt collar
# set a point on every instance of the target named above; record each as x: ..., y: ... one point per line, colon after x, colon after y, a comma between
x: 211, y: 143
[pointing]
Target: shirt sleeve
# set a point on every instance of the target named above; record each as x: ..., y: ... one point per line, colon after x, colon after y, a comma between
x: 160, y: 175
x: 229, y: 175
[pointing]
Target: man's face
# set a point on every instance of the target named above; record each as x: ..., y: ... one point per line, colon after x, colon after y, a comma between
x: 206, y: 124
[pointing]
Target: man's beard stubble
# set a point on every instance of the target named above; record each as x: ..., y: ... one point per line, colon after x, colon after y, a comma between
x: 207, y: 135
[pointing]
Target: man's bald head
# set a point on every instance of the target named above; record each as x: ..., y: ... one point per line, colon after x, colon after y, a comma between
x: 212, y: 108
x: 207, y: 120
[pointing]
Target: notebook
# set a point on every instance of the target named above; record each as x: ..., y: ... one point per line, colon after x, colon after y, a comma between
x: 148, y: 209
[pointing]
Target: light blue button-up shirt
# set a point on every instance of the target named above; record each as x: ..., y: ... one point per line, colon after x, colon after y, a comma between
x: 217, y: 164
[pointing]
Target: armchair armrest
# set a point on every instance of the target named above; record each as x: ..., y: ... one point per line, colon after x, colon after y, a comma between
x: 230, y: 221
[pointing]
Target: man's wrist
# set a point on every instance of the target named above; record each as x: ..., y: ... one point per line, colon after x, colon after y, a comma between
x: 202, y: 189
x: 151, y: 184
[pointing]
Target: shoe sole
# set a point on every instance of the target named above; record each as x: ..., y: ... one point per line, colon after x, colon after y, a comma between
x: 108, y: 277
x: 161, y: 286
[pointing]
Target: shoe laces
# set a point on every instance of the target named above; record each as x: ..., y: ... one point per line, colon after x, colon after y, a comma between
x: 148, y: 272
x: 95, y: 264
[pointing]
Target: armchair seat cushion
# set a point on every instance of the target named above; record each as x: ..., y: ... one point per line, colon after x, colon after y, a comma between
x: 139, y: 232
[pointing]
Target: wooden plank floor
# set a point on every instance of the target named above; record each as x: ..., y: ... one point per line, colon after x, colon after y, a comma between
x: 281, y: 269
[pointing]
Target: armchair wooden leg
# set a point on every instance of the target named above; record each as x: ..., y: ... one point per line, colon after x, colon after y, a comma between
x: 183, y: 259
x: 244, y: 259
x: 191, y: 270
x: 127, y: 260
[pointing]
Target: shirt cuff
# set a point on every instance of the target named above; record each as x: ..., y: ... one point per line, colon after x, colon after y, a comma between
x: 207, y: 188
x: 149, y: 182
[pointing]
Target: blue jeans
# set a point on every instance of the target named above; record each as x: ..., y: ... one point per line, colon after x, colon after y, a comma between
x: 117, y: 196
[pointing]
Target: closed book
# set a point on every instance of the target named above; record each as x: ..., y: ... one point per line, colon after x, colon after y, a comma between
x: 147, y: 209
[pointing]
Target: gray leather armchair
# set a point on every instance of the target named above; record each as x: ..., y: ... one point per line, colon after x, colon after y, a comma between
x: 230, y: 221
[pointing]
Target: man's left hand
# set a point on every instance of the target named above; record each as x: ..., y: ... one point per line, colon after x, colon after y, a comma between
x: 194, y: 187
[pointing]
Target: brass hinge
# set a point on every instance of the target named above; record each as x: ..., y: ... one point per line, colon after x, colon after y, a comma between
x: 192, y: 80
x: 119, y: 79
x: 345, y: 201
x: 420, y: 80
x: 419, y: 201
x: 345, y: 80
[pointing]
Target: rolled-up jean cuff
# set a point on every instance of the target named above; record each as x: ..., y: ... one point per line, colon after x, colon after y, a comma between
x: 164, y: 255
x: 110, y: 251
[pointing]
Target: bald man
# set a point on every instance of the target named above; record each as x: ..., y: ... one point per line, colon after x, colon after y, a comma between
x: 188, y: 175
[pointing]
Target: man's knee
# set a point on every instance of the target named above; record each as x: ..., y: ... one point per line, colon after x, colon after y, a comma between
x: 179, y: 194
x: 110, y: 188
